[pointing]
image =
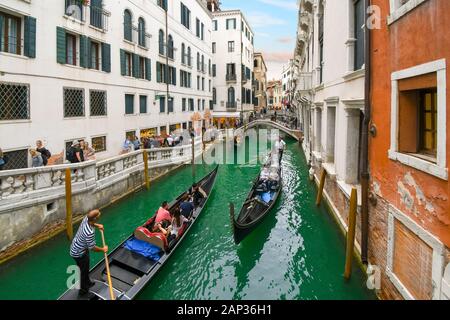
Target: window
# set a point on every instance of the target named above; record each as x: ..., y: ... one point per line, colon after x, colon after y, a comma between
x: 14, y: 101
x: 17, y: 159
x: 161, y: 42
x: 203, y: 84
x: 321, y: 53
x: 191, y: 104
x: 142, y: 104
x: 215, y: 25
x: 98, y: 103
x: 198, y: 62
x: 183, y: 104
x: 185, y: 16
x: 142, y: 33
x: 189, y: 57
x: 213, y: 47
x: 95, y: 56
x: 198, y: 82
x: 203, y: 64
x: 197, y: 28
x: 71, y: 49
x: 231, y: 24
x: 142, y: 67
x: 199, y: 105
x: 129, y: 104
x: 359, y: 33
x: 183, y: 53
x: 214, y: 71
x: 185, y: 81
x: 98, y: 15
x: 10, y: 32
x: 127, y: 25
x: 170, y: 105
x: 99, y: 143
x: 231, y: 98
x: 214, y: 95
x: 73, y: 103
x: 209, y: 66
x: 128, y: 64
x: 171, y: 49
x: 74, y: 9
x: 163, y: 4
x: 202, y: 32
x: 399, y: 8
x: 428, y: 122
x: 162, y: 104
x: 231, y: 69
x: 230, y: 46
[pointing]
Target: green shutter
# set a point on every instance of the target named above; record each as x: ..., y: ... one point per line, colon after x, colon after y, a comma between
x: 158, y: 72
x: 123, y: 67
x: 84, y: 52
x: 88, y: 53
x: 30, y: 37
x: 136, y: 66
x: 60, y: 45
x: 174, y: 76
x: 106, y: 57
x: 148, y: 69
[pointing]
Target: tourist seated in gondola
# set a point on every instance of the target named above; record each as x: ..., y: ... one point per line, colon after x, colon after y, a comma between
x: 198, y: 194
x: 177, y: 227
x: 163, y: 213
x: 187, y: 207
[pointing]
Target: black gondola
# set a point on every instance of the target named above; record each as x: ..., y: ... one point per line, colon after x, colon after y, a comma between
x: 130, y: 271
x: 259, y: 202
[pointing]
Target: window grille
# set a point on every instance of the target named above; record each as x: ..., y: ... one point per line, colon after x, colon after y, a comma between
x: 98, y: 103
x: 73, y: 103
x: 99, y: 144
x: 17, y: 159
x: 14, y: 101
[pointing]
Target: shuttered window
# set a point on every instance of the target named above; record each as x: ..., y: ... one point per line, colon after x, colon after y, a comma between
x: 143, y: 104
x: 10, y: 33
x: 30, y: 37
x: 129, y: 104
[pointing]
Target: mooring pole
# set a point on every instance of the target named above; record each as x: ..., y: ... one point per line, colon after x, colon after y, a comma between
x: 321, y: 187
x: 69, y: 226
x: 351, y: 234
x: 146, y: 175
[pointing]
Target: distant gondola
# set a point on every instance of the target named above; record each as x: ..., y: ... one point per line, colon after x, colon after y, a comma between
x: 259, y: 202
x: 130, y: 271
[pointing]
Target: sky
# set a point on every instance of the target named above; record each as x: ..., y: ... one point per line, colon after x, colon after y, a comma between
x: 274, y: 23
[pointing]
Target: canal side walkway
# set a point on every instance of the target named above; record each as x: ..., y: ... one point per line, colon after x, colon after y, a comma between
x: 33, y: 201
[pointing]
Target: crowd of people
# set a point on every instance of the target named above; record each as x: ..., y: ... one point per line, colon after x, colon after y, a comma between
x: 133, y: 143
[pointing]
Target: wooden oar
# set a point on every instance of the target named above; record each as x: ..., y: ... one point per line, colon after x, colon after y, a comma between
x: 111, y: 292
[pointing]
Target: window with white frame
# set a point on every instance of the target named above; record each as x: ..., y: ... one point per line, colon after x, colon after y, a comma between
x: 418, y: 113
x: 414, y: 258
x: 399, y: 8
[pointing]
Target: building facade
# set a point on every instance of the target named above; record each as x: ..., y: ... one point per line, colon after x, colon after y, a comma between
x: 287, y: 83
x: 260, y: 82
x: 101, y: 71
x: 233, y: 55
x: 409, y: 149
x: 274, y: 94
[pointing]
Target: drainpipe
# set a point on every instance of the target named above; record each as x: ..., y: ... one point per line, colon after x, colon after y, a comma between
x: 364, y: 148
x: 167, y: 61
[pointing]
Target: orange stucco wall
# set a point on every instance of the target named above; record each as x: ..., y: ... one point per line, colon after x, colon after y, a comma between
x: 422, y: 36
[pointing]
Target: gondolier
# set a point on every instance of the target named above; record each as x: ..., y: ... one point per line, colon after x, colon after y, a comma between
x: 83, y: 242
x: 280, y: 145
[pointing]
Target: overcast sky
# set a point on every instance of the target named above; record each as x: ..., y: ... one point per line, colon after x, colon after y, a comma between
x: 274, y: 23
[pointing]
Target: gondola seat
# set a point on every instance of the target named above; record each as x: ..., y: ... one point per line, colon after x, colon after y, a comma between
x: 156, y: 239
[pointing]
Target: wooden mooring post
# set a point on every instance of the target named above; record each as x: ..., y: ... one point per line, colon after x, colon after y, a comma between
x: 321, y: 187
x: 146, y: 173
x: 351, y: 234
x: 69, y: 222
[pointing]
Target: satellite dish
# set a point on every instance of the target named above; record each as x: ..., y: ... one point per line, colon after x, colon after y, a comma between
x: 74, y: 11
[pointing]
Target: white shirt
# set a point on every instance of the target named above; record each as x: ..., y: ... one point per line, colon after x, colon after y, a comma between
x: 280, y: 145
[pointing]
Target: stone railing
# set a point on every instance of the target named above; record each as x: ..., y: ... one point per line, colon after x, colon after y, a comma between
x: 24, y: 187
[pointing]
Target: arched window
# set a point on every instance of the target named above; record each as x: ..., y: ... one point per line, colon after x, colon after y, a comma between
x: 183, y: 53
x: 198, y: 61
x: 161, y: 42
x: 231, y: 96
x: 127, y: 25
x: 189, y: 57
x: 170, y: 47
x: 142, y: 32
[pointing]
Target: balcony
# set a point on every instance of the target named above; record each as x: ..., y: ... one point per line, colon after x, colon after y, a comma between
x: 231, y: 78
x: 304, y: 82
x: 232, y: 106
x: 99, y: 17
x: 80, y: 10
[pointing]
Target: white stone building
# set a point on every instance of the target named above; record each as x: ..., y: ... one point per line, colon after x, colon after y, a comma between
x: 232, y: 67
x: 287, y: 83
x: 96, y: 71
x: 329, y: 78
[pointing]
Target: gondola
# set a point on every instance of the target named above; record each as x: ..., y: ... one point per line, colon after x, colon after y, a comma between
x: 260, y: 201
x: 131, y: 271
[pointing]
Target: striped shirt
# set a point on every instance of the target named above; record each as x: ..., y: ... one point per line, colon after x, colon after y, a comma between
x: 84, y: 239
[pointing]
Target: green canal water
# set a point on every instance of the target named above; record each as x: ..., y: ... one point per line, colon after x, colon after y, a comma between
x: 296, y: 253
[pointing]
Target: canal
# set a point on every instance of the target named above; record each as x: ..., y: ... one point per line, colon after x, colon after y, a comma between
x: 296, y: 253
